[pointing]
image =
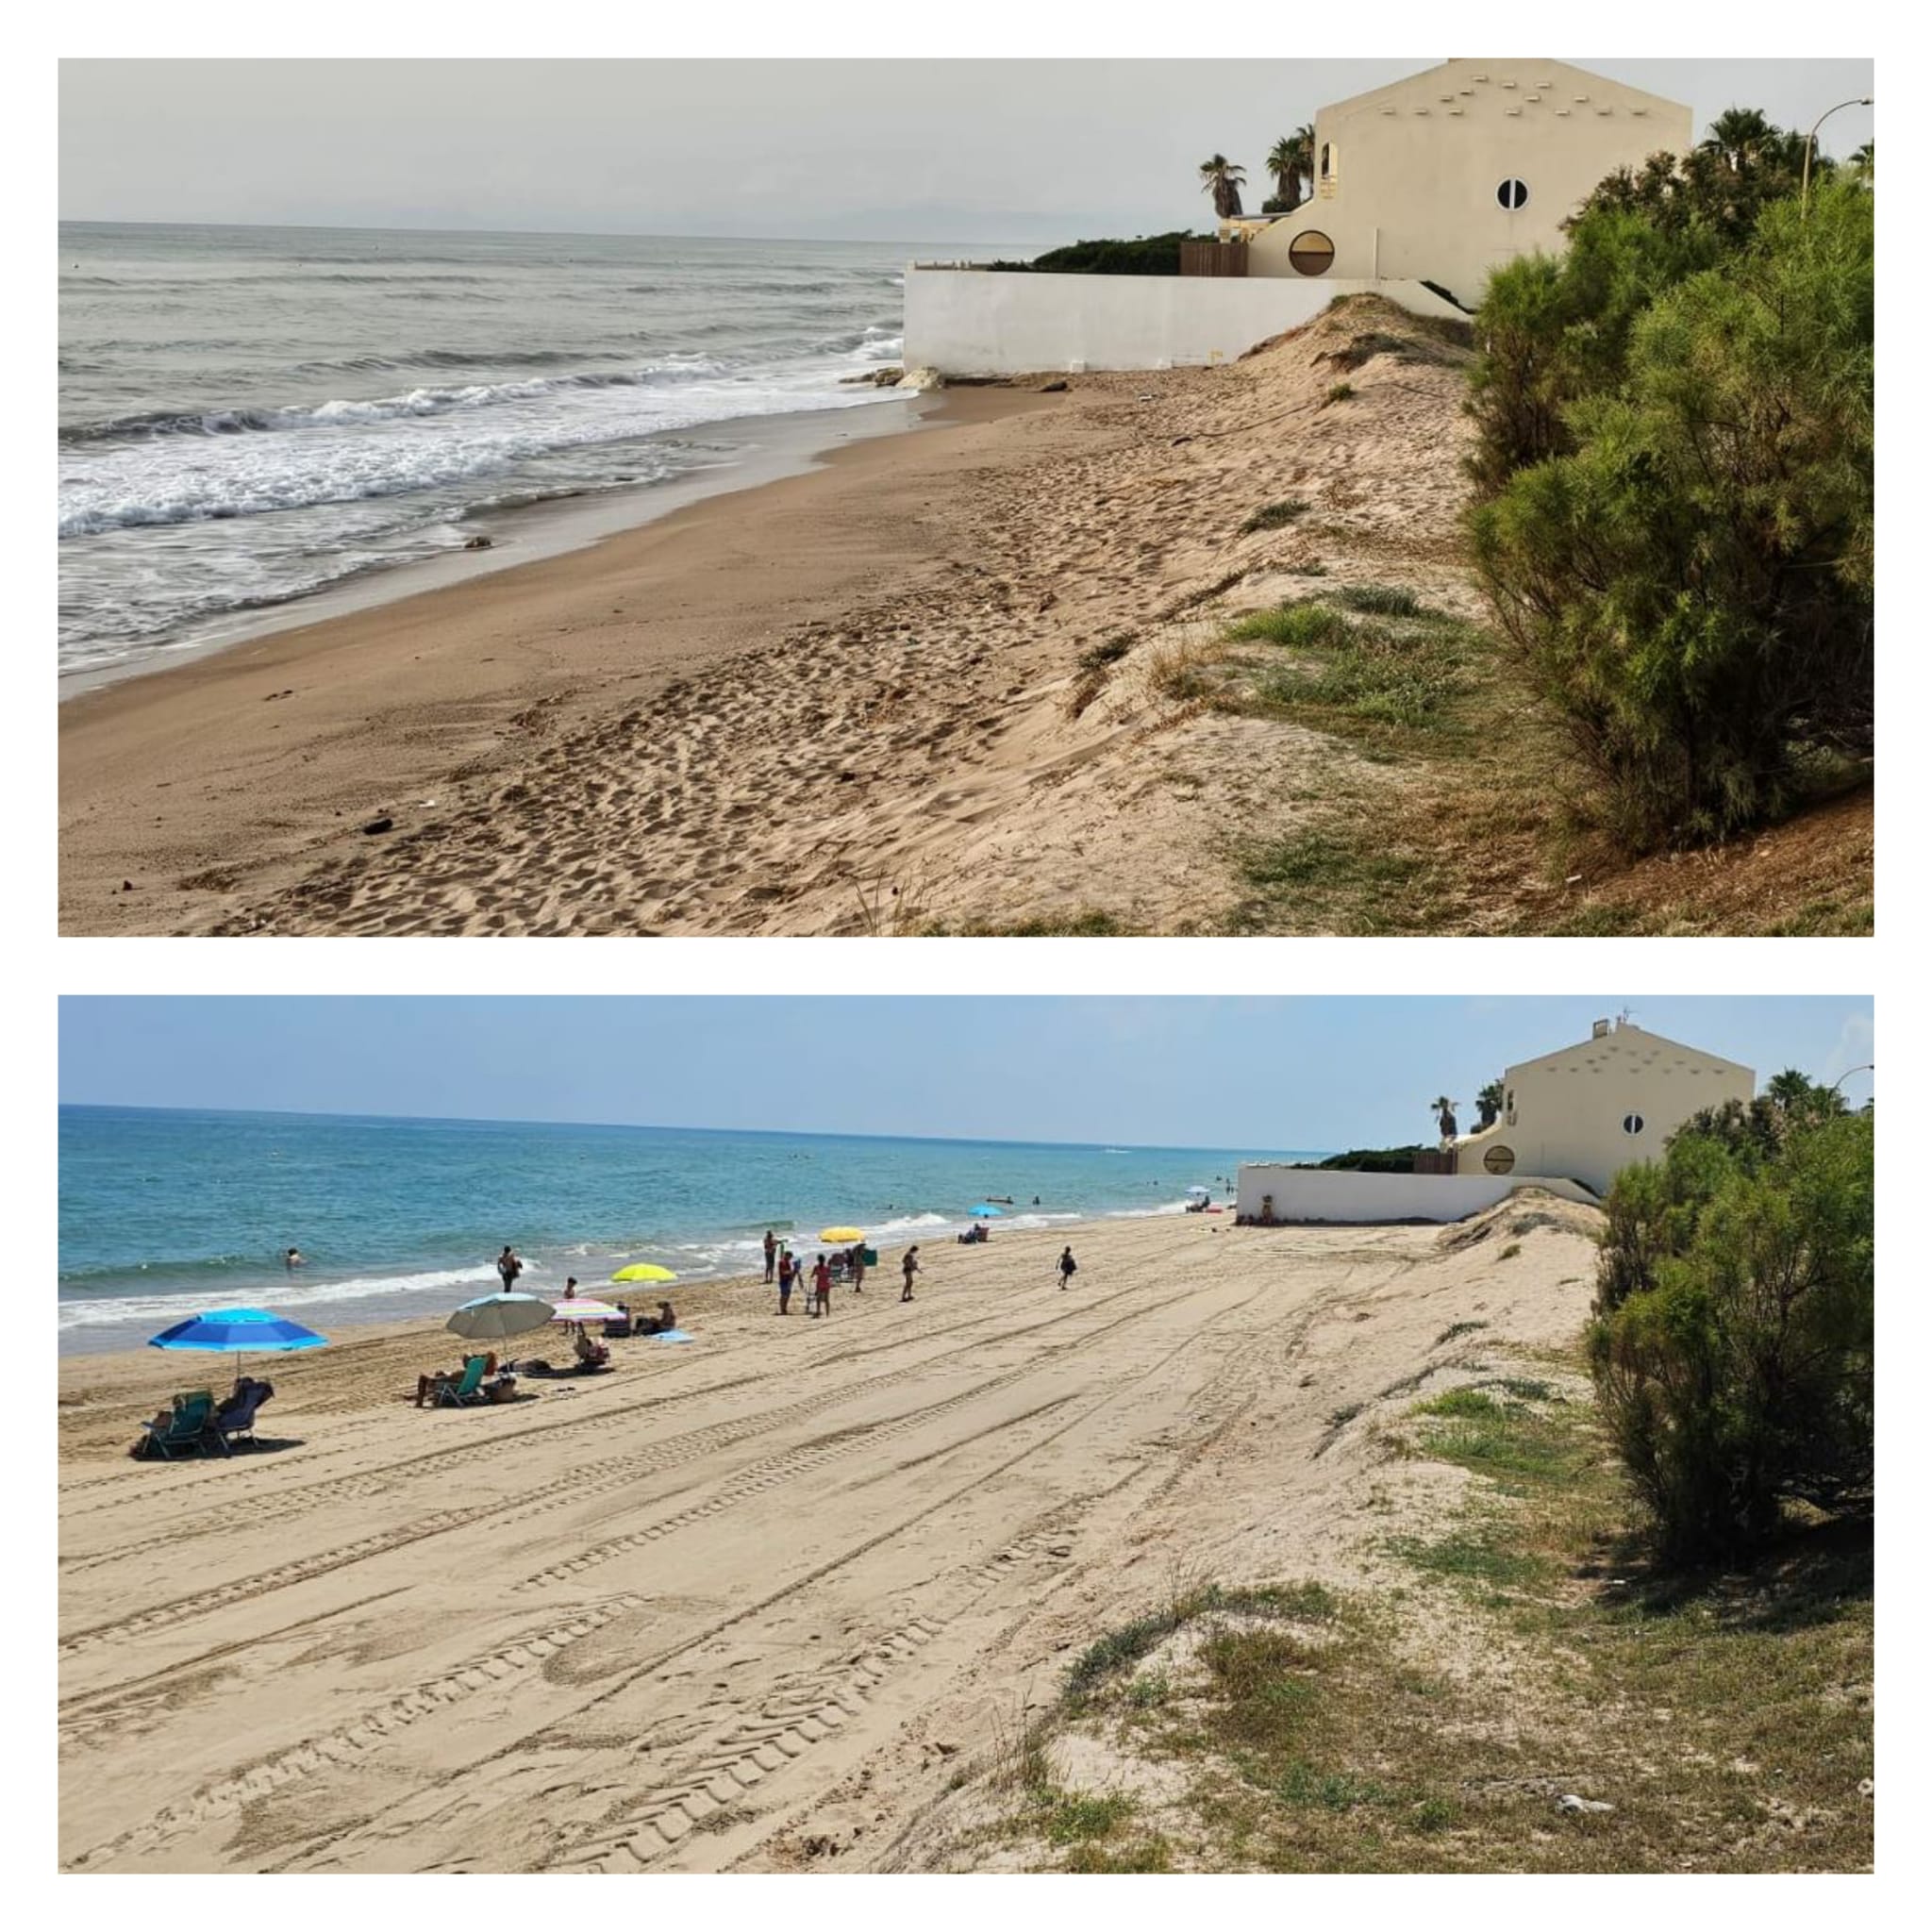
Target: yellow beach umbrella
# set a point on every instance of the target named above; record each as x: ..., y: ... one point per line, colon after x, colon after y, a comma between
x: 841, y: 1234
x: 643, y: 1270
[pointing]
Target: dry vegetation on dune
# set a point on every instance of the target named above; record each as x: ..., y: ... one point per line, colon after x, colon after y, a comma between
x: 1192, y: 652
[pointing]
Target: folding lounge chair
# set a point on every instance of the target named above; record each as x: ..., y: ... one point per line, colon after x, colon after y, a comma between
x: 240, y: 1422
x: 467, y: 1388
x: 187, y: 1428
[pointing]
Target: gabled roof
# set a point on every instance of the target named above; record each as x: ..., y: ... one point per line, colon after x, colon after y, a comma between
x: 1558, y: 71
x: 1627, y: 1042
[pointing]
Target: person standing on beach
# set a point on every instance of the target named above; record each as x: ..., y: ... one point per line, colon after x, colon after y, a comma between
x: 1067, y: 1266
x: 771, y: 1255
x: 788, y: 1274
x: 857, y: 1257
x: 911, y: 1264
x: 821, y: 1289
x: 510, y: 1266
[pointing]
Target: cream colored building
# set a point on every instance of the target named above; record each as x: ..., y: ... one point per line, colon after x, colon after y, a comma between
x: 1610, y: 1100
x: 1449, y: 173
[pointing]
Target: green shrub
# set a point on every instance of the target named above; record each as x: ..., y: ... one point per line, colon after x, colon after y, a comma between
x: 1732, y: 1347
x: 1690, y: 585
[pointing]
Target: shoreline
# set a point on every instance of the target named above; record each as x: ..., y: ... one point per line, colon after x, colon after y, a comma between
x: 436, y: 1307
x: 241, y: 769
x: 754, y: 451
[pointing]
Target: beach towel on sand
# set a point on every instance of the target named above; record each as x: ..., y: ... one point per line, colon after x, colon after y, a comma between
x: 674, y: 1335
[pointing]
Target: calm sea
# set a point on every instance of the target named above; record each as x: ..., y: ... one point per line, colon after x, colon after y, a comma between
x: 163, y: 1213
x: 251, y: 414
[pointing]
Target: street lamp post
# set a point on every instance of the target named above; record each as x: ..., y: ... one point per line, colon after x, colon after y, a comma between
x: 1810, y: 141
x: 1847, y: 1074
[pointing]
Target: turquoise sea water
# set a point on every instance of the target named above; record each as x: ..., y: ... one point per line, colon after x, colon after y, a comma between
x: 166, y: 1212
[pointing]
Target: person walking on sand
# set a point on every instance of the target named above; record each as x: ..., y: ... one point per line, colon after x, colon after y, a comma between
x: 510, y: 1266
x: 821, y: 1289
x: 771, y: 1255
x: 1067, y: 1266
x: 787, y: 1276
x: 911, y: 1264
x: 856, y: 1260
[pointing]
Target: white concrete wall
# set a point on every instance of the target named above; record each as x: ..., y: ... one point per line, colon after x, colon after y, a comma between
x: 967, y: 322
x: 1320, y: 1194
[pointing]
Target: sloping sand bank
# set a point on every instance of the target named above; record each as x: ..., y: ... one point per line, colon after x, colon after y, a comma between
x: 741, y: 1604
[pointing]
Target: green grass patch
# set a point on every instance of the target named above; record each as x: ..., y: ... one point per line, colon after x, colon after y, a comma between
x: 1143, y: 1855
x: 1382, y: 600
x: 1275, y: 516
x: 1090, y: 924
x: 1341, y: 392
x: 1303, y: 625
x: 1328, y: 881
x: 1456, y: 1328
x: 1072, y: 1817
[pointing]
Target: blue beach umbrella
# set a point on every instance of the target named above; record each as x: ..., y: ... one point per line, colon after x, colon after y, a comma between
x: 987, y: 1211
x: 237, y: 1331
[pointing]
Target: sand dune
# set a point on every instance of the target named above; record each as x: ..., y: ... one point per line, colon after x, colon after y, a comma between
x: 741, y: 1605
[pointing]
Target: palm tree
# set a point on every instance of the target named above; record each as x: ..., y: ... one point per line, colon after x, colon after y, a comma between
x: 1288, y: 159
x: 1223, y: 180
x: 1446, y: 1116
x: 1736, y: 135
x: 1488, y: 1105
x: 1861, y: 162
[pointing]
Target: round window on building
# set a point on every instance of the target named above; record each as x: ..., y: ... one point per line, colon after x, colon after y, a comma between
x: 1512, y: 194
x: 1311, y: 253
x: 1500, y: 1159
x: 1633, y: 1124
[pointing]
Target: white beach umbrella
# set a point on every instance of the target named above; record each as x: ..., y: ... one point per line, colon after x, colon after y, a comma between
x: 497, y: 1317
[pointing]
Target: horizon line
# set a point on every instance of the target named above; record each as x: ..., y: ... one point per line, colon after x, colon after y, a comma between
x: 655, y: 1127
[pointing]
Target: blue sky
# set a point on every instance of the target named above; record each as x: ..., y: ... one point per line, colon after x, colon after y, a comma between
x: 1179, y: 1072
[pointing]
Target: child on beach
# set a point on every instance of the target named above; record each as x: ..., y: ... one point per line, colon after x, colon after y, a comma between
x: 911, y: 1264
x: 821, y: 1289
x: 788, y: 1274
x: 1067, y: 1266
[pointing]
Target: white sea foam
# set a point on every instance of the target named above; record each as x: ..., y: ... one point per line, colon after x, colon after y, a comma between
x: 297, y: 1292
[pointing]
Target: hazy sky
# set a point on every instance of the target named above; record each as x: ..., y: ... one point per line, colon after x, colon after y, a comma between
x: 893, y: 150
x: 1178, y: 1073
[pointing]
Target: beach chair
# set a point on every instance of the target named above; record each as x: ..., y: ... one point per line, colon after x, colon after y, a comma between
x: 468, y: 1388
x: 187, y: 1428
x: 238, y: 1424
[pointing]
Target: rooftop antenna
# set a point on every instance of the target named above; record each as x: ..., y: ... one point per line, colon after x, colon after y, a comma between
x: 1625, y: 1017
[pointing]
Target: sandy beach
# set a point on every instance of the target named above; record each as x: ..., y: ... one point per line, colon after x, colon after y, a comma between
x: 864, y: 699
x: 958, y: 680
x: 748, y: 1604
